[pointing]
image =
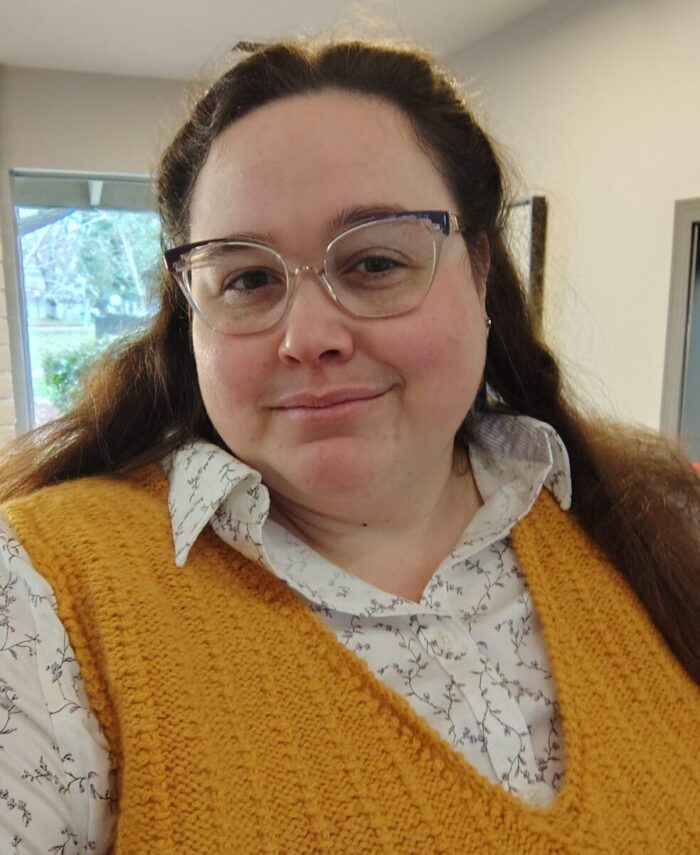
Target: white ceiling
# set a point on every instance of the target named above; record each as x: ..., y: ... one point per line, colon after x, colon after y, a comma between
x: 183, y: 39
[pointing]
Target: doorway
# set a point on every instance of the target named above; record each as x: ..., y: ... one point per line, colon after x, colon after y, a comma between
x: 680, y: 409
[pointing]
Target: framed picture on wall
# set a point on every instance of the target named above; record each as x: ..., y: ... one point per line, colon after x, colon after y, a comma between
x: 526, y: 233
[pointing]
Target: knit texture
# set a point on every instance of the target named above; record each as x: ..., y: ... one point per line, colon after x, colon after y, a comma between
x: 241, y: 724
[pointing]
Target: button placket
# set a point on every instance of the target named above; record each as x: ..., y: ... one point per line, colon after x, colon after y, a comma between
x: 498, y: 716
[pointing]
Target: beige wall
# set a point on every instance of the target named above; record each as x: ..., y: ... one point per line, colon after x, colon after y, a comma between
x: 73, y: 122
x: 594, y: 101
x: 597, y: 105
x: 86, y: 122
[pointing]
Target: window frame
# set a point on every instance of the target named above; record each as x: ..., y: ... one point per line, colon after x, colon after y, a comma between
x: 678, y: 329
x: 133, y: 191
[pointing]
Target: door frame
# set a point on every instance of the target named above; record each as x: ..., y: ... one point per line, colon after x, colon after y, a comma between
x: 686, y: 216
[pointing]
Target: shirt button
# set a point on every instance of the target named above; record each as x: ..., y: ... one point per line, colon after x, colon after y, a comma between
x: 445, y: 640
x: 537, y: 795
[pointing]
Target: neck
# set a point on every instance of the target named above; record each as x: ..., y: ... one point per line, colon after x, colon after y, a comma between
x: 396, y: 545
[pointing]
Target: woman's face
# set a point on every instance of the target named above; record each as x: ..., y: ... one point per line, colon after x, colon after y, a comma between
x: 392, y: 391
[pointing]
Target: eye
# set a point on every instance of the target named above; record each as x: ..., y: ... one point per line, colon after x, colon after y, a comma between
x: 250, y: 280
x: 377, y: 264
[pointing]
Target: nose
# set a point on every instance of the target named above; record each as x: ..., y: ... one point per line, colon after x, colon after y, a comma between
x: 316, y: 329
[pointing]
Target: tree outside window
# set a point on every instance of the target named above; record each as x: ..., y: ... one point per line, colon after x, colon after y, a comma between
x: 89, y: 275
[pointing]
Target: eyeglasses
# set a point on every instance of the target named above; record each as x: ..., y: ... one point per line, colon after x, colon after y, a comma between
x: 377, y: 269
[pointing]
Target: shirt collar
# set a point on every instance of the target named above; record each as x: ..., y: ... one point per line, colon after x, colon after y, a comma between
x: 507, y: 449
x: 207, y: 484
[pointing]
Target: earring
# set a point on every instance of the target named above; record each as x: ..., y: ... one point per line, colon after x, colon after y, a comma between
x: 489, y: 322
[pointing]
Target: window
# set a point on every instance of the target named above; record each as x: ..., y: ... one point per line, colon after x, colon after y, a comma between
x: 88, y: 254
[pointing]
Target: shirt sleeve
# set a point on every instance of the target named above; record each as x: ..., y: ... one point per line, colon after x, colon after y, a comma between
x: 57, y: 776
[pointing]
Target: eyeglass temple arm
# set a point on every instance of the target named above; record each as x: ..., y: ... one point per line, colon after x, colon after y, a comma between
x: 445, y: 221
x: 455, y: 223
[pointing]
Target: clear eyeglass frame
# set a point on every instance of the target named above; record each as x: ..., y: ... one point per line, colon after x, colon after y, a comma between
x: 439, y: 225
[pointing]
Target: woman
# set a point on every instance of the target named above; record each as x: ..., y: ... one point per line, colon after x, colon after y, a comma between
x: 392, y: 594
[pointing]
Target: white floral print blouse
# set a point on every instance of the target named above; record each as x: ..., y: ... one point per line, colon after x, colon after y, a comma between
x: 470, y: 657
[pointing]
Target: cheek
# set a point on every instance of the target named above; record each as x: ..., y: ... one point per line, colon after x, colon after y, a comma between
x: 228, y: 379
x: 211, y: 361
x: 448, y: 351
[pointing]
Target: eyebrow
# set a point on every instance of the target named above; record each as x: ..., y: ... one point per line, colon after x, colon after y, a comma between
x: 348, y: 217
x: 344, y: 219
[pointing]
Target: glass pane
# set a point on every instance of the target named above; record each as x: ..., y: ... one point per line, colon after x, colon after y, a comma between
x: 89, y: 275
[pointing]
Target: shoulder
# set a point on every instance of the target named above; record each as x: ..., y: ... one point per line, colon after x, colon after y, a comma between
x: 51, y: 743
x: 87, y: 499
x: 147, y: 480
x: 75, y: 529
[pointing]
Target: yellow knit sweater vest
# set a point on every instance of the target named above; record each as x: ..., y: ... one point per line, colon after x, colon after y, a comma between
x: 242, y: 725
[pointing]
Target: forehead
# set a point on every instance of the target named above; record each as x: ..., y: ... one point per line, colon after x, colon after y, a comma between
x: 301, y: 159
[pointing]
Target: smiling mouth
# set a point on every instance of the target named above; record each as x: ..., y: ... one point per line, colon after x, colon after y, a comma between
x: 331, y: 409
x: 329, y: 400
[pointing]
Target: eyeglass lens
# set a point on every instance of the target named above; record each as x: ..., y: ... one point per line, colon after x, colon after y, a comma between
x: 375, y: 270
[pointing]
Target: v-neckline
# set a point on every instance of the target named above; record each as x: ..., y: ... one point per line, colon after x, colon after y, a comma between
x: 566, y: 805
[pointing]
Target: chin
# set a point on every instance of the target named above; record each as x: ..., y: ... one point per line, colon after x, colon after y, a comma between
x: 329, y: 469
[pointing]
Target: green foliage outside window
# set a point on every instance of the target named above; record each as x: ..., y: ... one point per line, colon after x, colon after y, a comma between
x: 77, y: 257
x: 89, y: 275
x: 65, y: 369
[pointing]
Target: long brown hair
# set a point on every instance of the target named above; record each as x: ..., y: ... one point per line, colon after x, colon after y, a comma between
x: 634, y: 496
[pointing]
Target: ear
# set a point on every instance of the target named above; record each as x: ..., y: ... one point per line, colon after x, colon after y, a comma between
x: 480, y: 258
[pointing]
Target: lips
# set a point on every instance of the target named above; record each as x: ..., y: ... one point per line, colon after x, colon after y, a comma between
x: 325, y: 400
